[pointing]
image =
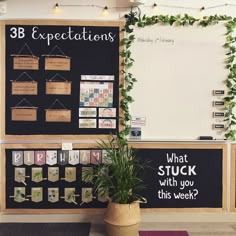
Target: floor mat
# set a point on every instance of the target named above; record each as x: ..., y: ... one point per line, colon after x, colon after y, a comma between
x: 44, y: 229
x: 163, y: 233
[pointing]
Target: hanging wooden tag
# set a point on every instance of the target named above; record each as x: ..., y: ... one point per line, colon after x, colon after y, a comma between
x: 61, y: 88
x: 57, y: 63
x: 26, y: 62
x: 24, y: 88
x: 58, y: 115
x: 37, y: 194
x: 23, y: 114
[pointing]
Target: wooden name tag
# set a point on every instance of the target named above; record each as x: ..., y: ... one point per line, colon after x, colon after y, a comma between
x: 24, y: 114
x: 24, y: 88
x: 25, y: 63
x: 58, y: 115
x: 57, y: 63
x: 63, y: 88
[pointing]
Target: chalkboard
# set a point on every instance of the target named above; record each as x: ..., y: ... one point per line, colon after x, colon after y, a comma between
x: 178, y: 68
x: 183, y: 177
x: 71, y: 71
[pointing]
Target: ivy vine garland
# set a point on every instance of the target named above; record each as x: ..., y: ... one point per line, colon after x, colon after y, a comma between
x: 127, y: 63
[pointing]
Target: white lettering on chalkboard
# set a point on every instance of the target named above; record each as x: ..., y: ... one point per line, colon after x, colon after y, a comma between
x: 17, y: 32
x: 171, y: 176
x: 85, y: 35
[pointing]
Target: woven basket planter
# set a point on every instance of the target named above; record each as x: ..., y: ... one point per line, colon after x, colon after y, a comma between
x: 122, y: 219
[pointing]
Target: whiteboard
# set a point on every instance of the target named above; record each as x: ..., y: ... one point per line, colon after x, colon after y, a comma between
x: 177, y: 69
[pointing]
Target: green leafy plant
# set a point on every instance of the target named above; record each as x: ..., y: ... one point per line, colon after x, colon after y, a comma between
x: 118, y: 178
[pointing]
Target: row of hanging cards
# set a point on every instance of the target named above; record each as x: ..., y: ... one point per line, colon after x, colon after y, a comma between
x: 36, y: 194
x: 58, y: 157
x: 51, y: 174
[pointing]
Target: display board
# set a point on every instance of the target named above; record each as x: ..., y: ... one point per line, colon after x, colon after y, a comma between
x: 40, y: 178
x: 178, y: 69
x: 62, y: 78
x: 184, y: 176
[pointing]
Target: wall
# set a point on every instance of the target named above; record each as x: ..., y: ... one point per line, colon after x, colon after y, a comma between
x: 43, y: 9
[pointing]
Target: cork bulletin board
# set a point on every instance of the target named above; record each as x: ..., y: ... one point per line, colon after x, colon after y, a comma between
x: 61, y: 78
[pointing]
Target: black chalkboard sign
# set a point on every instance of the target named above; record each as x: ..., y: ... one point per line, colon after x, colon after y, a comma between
x: 87, y: 57
x: 183, y: 178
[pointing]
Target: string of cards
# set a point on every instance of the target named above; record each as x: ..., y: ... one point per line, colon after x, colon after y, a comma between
x: 95, y: 99
x: 31, y: 165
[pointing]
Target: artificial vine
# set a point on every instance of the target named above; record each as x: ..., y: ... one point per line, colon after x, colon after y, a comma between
x: 132, y: 21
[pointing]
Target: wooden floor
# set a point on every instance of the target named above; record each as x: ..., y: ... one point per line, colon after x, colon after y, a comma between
x: 193, y: 229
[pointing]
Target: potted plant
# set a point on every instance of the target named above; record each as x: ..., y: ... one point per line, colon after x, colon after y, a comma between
x: 118, y: 179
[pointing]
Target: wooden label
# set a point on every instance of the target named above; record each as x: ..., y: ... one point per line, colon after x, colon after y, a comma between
x: 24, y: 114
x: 60, y: 115
x: 62, y: 88
x: 57, y: 63
x: 24, y: 88
x: 25, y: 63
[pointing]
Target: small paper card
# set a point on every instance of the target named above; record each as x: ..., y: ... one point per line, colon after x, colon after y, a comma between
x: 70, y: 174
x: 105, y: 158
x: 87, y: 112
x: 40, y: 157
x: 51, y: 157
x: 74, y: 157
x: 85, y: 177
x: 63, y: 157
x: 53, y: 174
x: 57, y: 63
x: 20, y: 175
x: 19, y: 194
x: 58, y: 115
x: 24, y: 88
x: 53, y: 195
x: 23, y: 114
x: 17, y: 158
x: 37, y: 194
x: 28, y: 158
x: 98, y: 77
x: 25, y: 63
x: 37, y: 174
x: 60, y: 88
x: 87, y: 123
x: 107, y: 112
x: 102, y: 198
x: 84, y: 157
x: 107, y: 123
x: 70, y: 195
x: 96, y: 156
x: 87, y: 195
